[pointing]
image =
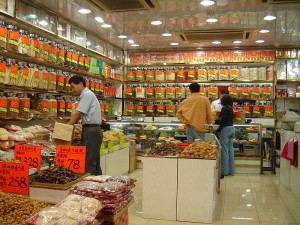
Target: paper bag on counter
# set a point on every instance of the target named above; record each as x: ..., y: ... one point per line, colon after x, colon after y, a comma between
x: 63, y: 132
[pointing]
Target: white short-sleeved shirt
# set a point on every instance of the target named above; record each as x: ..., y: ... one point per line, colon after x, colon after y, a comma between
x: 216, y: 105
x: 89, y: 107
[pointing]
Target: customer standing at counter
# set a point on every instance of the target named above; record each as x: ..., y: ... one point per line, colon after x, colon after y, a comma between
x: 89, y: 112
x: 226, y: 136
x: 194, y: 112
x: 216, y: 105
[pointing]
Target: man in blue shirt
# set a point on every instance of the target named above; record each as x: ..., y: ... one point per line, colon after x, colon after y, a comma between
x: 89, y: 112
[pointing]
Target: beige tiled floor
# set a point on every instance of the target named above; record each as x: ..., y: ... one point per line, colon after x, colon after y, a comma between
x: 245, y: 199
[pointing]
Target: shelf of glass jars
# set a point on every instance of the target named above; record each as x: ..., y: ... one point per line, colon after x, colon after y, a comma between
x: 22, y: 57
x: 253, y: 63
x: 198, y: 81
x: 53, y: 37
x: 287, y: 81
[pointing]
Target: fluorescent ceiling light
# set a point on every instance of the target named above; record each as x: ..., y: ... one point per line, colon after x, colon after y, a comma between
x: 84, y: 11
x: 270, y: 17
x: 264, y: 31
x: 259, y: 41
x: 99, y: 19
x: 238, y: 52
x: 122, y: 36
x: 216, y: 42
x: 105, y: 25
x: 156, y: 22
x: 130, y: 41
x: 88, y: 43
x: 135, y: 45
x: 31, y: 16
x: 43, y: 22
x: 207, y: 2
x: 174, y: 43
x: 237, y: 42
x: 212, y: 20
x: 166, y: 34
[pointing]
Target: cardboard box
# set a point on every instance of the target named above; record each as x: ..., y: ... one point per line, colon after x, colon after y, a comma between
x: 63, y: 132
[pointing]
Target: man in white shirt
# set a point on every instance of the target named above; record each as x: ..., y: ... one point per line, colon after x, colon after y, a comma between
x: 216, y: 105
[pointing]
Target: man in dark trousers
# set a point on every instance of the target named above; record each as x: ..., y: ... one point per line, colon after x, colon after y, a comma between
x: 89, y: 112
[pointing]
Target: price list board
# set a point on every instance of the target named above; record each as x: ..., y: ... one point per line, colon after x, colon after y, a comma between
x: 71, y: 157
x: 14, y: 177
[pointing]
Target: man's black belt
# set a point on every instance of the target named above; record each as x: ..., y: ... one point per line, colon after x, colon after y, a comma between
x: 91, y: 125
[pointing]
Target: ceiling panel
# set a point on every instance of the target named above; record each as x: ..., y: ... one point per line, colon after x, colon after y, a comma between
x: 182, y: 15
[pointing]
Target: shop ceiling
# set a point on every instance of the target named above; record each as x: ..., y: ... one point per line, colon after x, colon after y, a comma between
x: 238, y: 23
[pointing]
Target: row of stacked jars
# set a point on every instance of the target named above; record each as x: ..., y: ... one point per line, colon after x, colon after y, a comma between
x: 256, y: 91
x: 33, y: 76
x: 256, y: 110
x: 151, y: 108
x: 199, y: 73
x: 21, y: 41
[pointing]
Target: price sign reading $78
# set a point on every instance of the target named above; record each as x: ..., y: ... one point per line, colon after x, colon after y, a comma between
x: 14, y: 177
x: 71, y: 157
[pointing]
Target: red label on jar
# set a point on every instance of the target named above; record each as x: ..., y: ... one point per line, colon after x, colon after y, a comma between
x: 139, y: 90
x: 267, y: 90
x: 169, y: 90
x: 75, y: 58
x: 178, y: 90
x: 62, y: 53
x: 268, y: 108
x: 139, y: 73
x: 69, y: 56
x: 14, y: 69
x: 149, y: 90
x: 247, y: 108
x: 169, y: 108
x: 45, y: 76
x: 46, y: 47
x: 129, y: 90
x: 76, y: 105
x: 149, y: 107
x: 159, y: 72
x: 3, y: 103
x: 14, y: 103
x: 139, y: 107
x: 54, y: 50
x: 25, y: 40
x: 54, y: 104
x: 149, y: 73
x: 97, y: 86
x: 69, y: 105
x: 61, y: 80
x: 53, y: 78
x: 3, y: 32
x: 62, y: 105
x: 168, y: 72
x: 36, y: 75
x: 255, y: 90
x: 45, y: 104
x: 129, y: 107
x: 81, y: 60
x: 256, y: 108
x: 158, y: 90
x: 14, y: 35
x: 25, y: 73
x: 101, y: 87
x: 36, y: 44
x: 160, y: 107
x: 27, y: 103
x: 202, y: 89
x: 87, y: 61
x: 2, y: 67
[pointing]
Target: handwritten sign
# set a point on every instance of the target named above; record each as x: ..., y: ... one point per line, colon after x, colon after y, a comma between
x: 29, y: 154
x: 71, y: 157
x: 14, y: 177
x: 111, y: 146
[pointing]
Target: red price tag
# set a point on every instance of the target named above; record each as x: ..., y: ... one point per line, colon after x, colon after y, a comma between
x: 29, y: 154
x: 14, y: 177
x: 71, y: 157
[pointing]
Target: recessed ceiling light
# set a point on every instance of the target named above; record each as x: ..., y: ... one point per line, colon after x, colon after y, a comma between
x: 122, y: 36
x: 84, y: 11
x: 259, y: 41
x: 105, y: 25
x: 264, y: 31
x: 88, y: 43
x: 237, y: 42
x: 270, y: 17
x: 99, y: 19
x: 130, y: 41
x: 156, y: 22
x: 43, y: 22
x: 166, y: 34
x: 212, y: 20
x: 207, y: 2
x: 174, y: 43
x: 216, y: 42
x: 135, y: 45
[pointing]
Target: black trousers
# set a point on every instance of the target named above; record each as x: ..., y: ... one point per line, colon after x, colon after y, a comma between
x: 92, y: 139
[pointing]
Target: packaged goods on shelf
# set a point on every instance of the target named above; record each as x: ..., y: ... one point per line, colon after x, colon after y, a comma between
x: 281, y: 69
x: 223, y: 73
x: 191, y: 74
x: 233, y: 73
x: 253, y: 73
x: 244, y: 74
x: 170, y: 91
x: 12, y: 72
x: 3, y: 35
x: 181, y: 75
x: 170, y: 74
x: 293, y: 69
x: 23, y: 75
x: 212, y: 73
x: 18, y: 208
x: 202, y: 73
x: 262, y: 73
x: 13, y: 38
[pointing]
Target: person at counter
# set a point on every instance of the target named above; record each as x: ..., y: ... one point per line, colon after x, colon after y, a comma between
x: 226, y: 136
x: 216, y: 105
x: 89, y: 112
x: 194, y: 112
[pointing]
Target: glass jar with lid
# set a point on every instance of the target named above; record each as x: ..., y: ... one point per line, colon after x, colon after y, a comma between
x: 69, y: 103
x: 187, y: 91
x: 233, y: 73
x: 24, y: 42
x: 170, y: 74
x: 212, y: 73
x: 75, y: 57
x: 3, y: 35
x: 81, y: 61
x: 61, y: 107
x: 34, y: 76
x: 61, y: 55
x: 139, y: 108
x: 52, y: 79
x: 92, y: 85
x: 68, y: 57
x: 53, y: 52
x: 202, y: 73
x: 23, y: 74
x: 44, y: 78
x: 67, y: 87
x: 170, y: 91
x: 140, y: 92
x: 159, y: 91
x: 43, y: 106
x: 44, y: 49
x: 170, y: 109
x: 52, y: 107
x: 129, y: 91
x: 181, y: 74
x: 97, y: 87
x: 12, y: 72
x: 60, y: 81
x: 2, y: 70
x: 191, y: 74
x: 150, y: 109
x: 35, y: 46
x: 179, y: 92
x: 129, y: 108
x: 24, y: 111
x: 3, y: 106
x: 101, y: 89
x: 130, y: 75
x: 149, y: 91
x: 139, y: 74
x: 87, y: 60
x: 160, y: 74
x: 13, y: 38
x: 160, y: 109
x: 149, y: 73
x: 13, y: 106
